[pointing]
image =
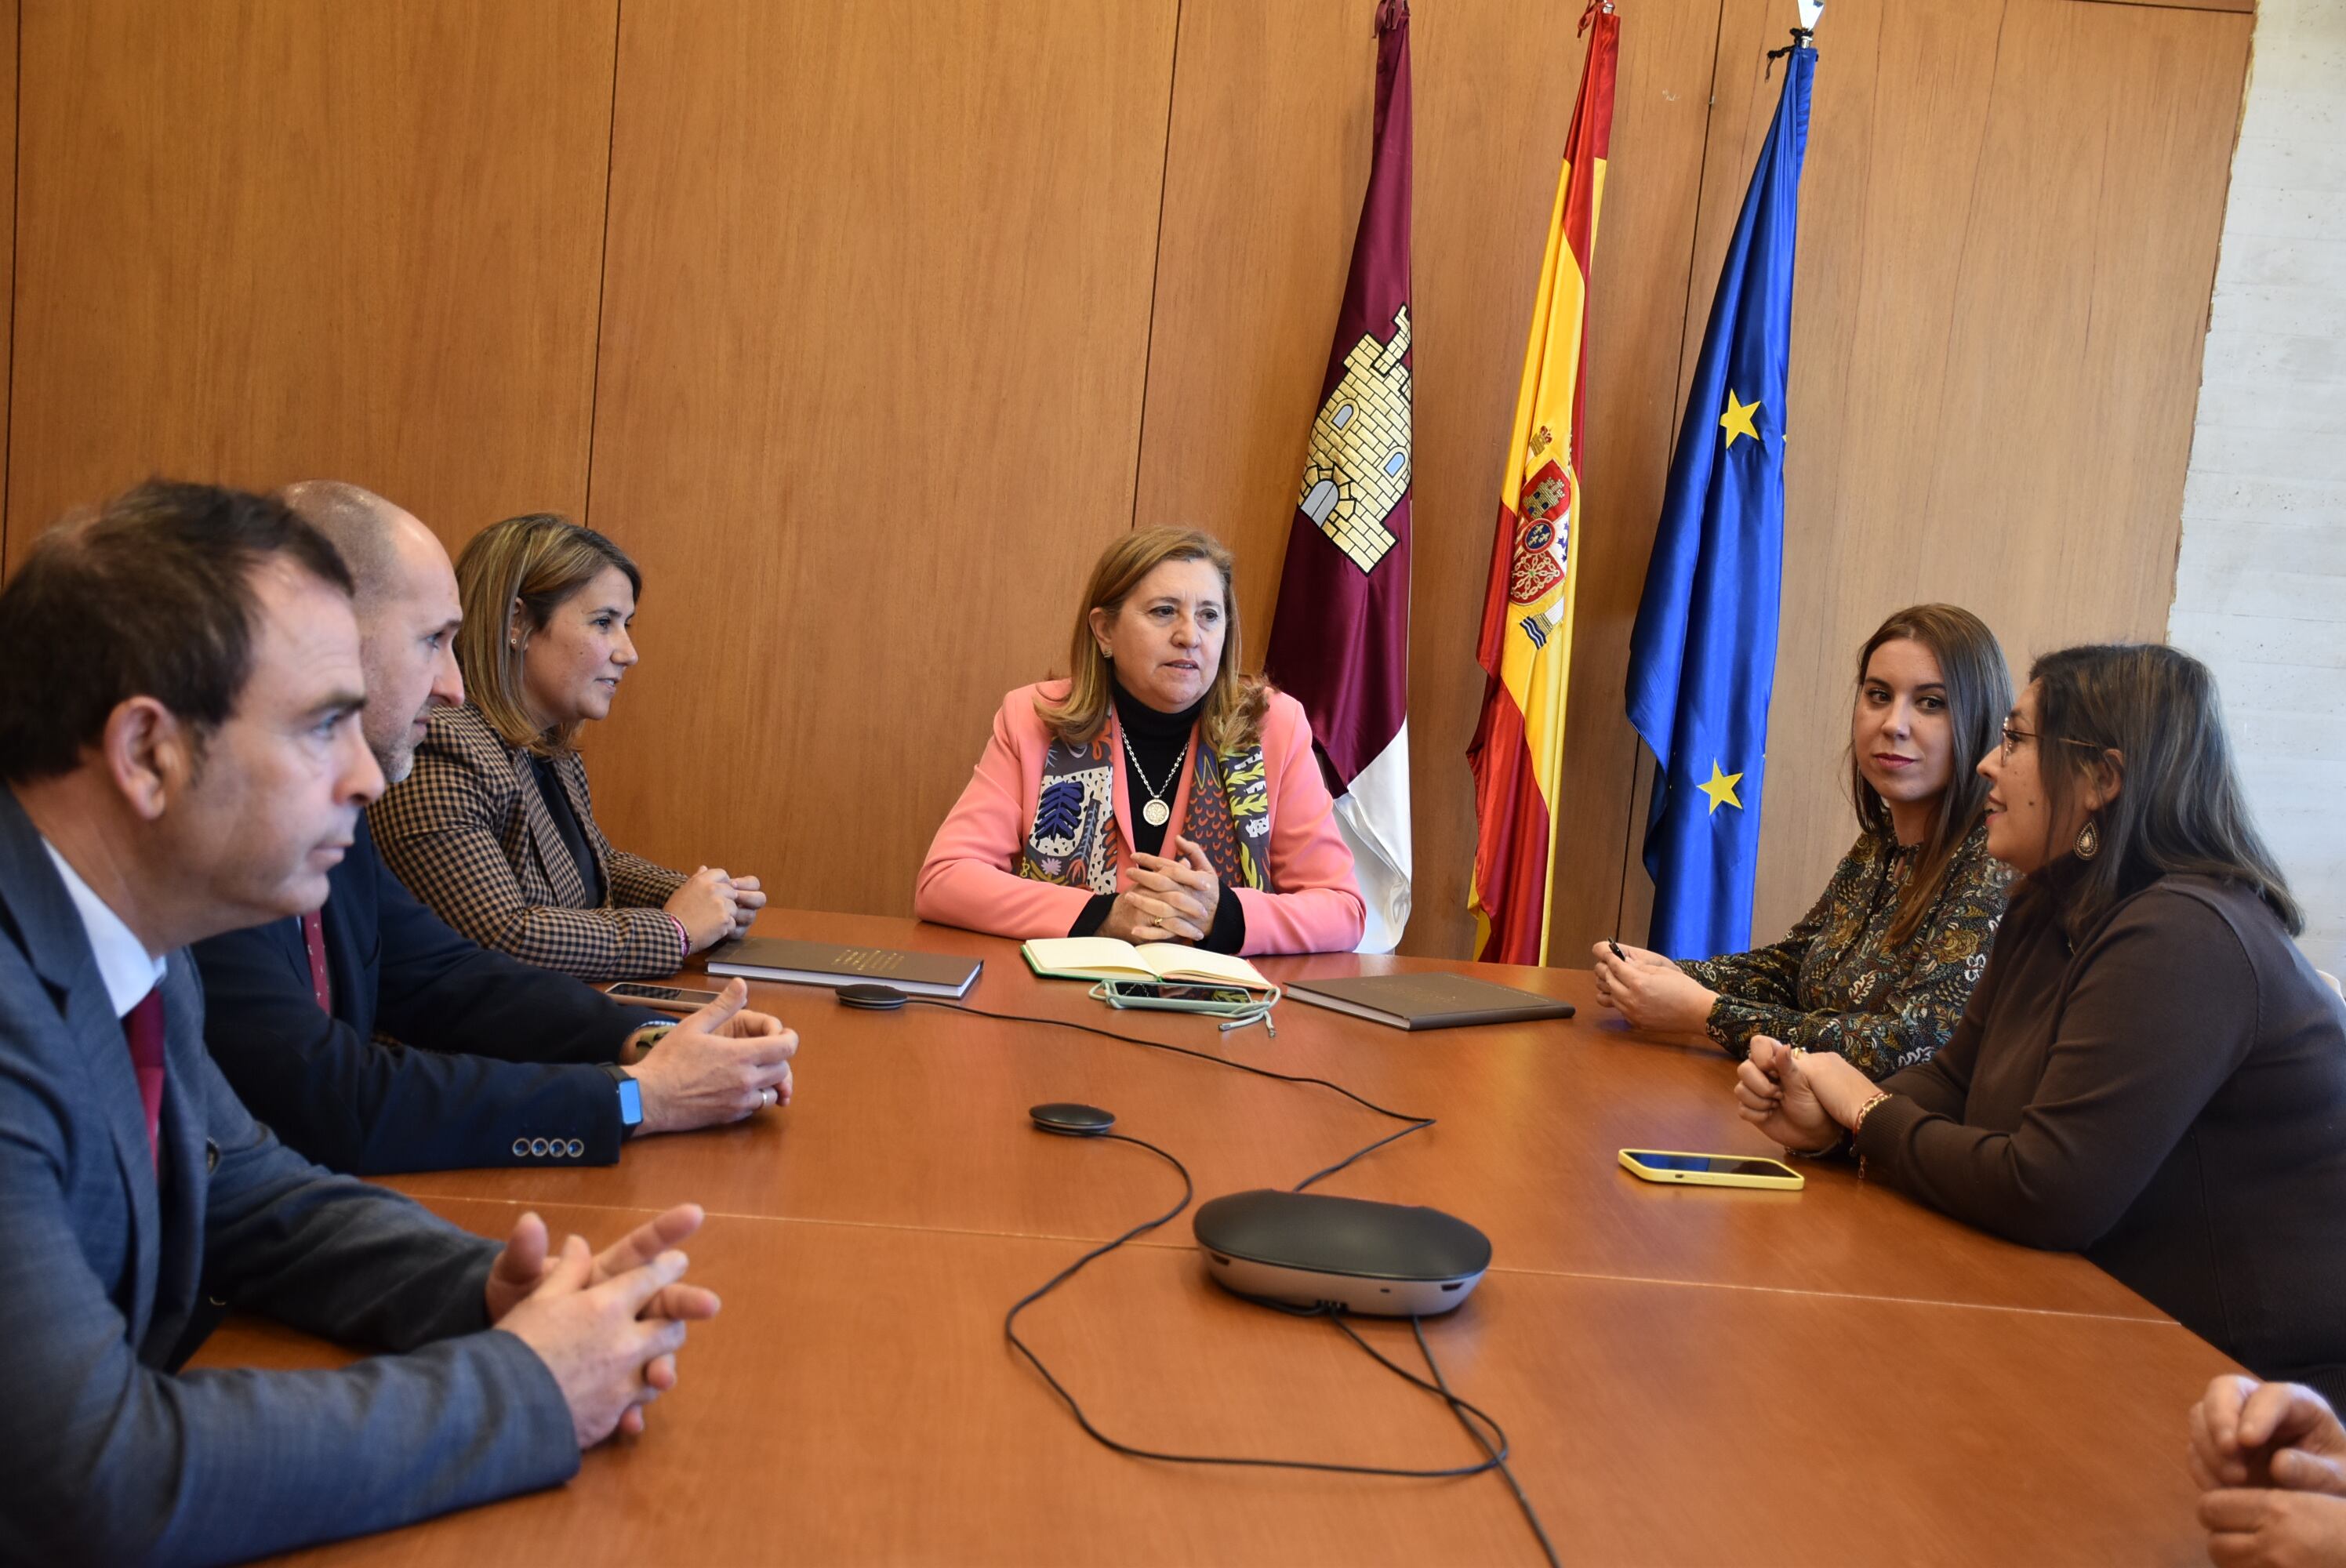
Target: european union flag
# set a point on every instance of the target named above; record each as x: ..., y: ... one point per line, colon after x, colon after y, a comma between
x: 1703, y: 656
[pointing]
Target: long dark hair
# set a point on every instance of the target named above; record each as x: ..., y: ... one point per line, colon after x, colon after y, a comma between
x: 2179, y: 811
x: 1979, y: 694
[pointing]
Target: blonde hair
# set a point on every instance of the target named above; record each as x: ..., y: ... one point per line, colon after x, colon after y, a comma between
x: 1235, y: 703
x: 531, y: 563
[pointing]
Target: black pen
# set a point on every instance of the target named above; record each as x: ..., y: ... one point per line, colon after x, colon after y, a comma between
x: 1615, y: 943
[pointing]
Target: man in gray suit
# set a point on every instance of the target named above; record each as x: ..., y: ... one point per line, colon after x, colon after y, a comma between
x: 180, y: 739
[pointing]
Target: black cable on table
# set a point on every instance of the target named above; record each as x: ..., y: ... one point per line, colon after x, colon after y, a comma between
x: 1418, y: 1124
x: 1496, y: 1447
x: 1188, y: 1190
x: 1458, y: 1407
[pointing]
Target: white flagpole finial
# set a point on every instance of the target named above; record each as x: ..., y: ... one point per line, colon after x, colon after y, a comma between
x: 1810, y: 11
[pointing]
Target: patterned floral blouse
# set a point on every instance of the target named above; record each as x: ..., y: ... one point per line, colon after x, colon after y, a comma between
x: 1836, y: 984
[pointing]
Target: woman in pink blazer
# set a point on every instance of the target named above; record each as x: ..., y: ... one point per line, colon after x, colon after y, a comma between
x: 1157, y: 795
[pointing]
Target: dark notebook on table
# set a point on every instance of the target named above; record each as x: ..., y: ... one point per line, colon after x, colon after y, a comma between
x: 1429, y: 1001
x: 834, y: 964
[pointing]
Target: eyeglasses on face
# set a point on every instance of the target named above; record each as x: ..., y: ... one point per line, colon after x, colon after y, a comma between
x: 2013, y: 735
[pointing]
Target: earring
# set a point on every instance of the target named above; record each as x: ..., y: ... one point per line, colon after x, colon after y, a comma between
x: 2089, y: 840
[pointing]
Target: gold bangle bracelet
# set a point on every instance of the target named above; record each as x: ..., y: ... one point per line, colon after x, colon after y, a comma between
x: 1856, y: 1124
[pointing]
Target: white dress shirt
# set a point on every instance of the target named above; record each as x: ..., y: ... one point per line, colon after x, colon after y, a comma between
x: 130, y: 971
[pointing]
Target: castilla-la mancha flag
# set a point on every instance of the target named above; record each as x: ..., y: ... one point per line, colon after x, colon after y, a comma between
x: 1526, y: 645
x: 1340, y: 635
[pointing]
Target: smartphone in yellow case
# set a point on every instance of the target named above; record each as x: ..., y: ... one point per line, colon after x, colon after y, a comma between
x: 1712, y: 1170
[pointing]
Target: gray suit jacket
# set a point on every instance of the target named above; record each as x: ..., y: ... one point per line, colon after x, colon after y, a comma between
x: 110, y: 1458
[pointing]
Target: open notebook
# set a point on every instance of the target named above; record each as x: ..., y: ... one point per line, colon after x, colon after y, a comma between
x: 1169, y: 963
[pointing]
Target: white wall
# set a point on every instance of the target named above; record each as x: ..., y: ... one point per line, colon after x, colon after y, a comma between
x: 2260, y: 588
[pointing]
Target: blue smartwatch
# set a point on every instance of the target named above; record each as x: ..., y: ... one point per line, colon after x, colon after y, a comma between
x: 631, y: 1100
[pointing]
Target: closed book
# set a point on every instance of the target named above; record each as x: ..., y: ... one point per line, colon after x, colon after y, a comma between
x: 831, y: 964
x: 1434, y: 999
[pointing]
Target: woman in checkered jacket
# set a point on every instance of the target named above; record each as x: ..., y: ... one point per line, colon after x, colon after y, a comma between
x: 494, y: 829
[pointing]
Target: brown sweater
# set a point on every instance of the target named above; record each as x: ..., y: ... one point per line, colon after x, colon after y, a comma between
x: 2170, y: 1099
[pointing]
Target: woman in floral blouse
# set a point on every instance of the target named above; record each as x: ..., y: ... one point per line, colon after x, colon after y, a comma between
x: 1878, y: 970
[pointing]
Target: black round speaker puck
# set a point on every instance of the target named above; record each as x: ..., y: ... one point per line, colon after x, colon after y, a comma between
x: 1077, y: 1121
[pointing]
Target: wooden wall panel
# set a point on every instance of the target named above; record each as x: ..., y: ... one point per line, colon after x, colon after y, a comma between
x: 2008, y: 236
x: 904, y: 311
x: 1639, y: 301
x: 1270, y: 124
x: 260, y: 241
x: 1267, y: 157
x: 1928, y: 267
x: 873, y: 342
x: 1899, y: 110
x: 8, y: 227
x: 2245, y: 7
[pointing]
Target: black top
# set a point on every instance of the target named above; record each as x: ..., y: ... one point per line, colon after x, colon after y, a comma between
x: 565, y: 823
x: 2167, y: 1095
x: 1160, y: 747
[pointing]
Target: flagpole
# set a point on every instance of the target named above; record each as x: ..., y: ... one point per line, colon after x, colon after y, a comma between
x: 1339, y: 639
x: 1702, y: 654
x: 1526, y: 638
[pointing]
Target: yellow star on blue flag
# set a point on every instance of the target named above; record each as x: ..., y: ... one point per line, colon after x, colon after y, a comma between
x: 1702, y: 657
x: 1720, y: 787
x: 1737, y: 419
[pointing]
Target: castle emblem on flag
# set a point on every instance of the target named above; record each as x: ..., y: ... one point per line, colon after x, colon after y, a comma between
x: 1357, y: 470
x: 1544, y: 537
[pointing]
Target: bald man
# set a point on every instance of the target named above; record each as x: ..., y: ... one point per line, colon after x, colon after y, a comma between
x: 501, y: 1063
x: 181, y: 753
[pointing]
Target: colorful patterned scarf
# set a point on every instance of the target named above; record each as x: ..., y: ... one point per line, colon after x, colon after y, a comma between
x: 1073, y: 839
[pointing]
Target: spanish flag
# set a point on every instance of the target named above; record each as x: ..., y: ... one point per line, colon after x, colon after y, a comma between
x: 1525, y: 651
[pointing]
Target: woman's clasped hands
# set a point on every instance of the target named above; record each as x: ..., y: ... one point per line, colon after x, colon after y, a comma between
x: 1170, y: 899
x: 1802, y: 1099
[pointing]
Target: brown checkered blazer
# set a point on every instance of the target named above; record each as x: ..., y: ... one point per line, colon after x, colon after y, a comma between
x: 470, y: 833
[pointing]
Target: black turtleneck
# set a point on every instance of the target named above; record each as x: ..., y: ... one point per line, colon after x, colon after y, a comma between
x: 1161, y: 745
x: 1161, y: 741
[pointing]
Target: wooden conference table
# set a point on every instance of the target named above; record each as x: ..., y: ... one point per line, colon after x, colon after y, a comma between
x: 1689, y: 1375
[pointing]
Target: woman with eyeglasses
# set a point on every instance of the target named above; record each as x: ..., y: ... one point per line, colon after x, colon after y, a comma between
x: 1878, y: 970
x: 2149, y: 1071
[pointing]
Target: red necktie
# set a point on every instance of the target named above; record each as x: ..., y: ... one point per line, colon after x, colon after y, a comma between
x: 142, y: 1026
x: 313, y: 937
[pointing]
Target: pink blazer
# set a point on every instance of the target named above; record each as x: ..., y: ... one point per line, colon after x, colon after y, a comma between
x: 970, y: 878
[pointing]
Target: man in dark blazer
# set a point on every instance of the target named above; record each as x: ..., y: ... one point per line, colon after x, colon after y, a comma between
x: 179, y: 688
x: 501, y: 1063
